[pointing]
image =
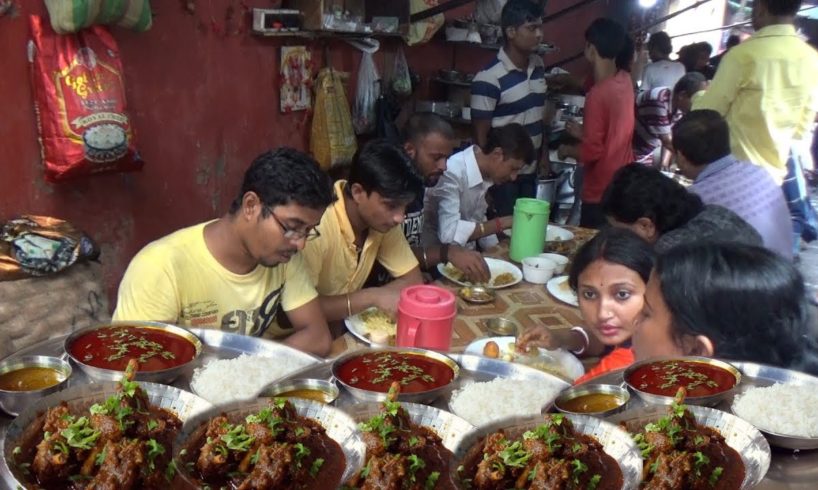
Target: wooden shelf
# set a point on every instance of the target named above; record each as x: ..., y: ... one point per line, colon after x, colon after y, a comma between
x: 457, y: 120
x: 328, y: 34
x: 454, y: 83
x: 550, y: 48
x: 477, y: 45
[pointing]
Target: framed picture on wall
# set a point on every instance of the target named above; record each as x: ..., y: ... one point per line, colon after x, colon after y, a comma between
x: 296, y: 79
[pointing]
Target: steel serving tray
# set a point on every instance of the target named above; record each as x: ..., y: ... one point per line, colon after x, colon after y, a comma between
x: 616, y: 442
x: 789, y: 470
x: 339, y: 426
x: 79, y: 398
x: 448, y: 426
x: 738, y: 434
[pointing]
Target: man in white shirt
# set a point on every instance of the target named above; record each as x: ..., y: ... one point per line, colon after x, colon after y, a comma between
x: 661, y: 72
x: 455, y: 209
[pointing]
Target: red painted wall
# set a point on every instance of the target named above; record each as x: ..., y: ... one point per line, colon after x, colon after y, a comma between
x: 203, y: 105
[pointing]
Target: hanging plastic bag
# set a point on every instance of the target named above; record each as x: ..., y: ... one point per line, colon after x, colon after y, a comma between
x: 489, y: 11
x: 422, y: 31
x: 332, y: 140
x: 40, y: 245
x: 363, y: 113
x: 401, y: 79
x: 68, y: 16
x: 79, y: 99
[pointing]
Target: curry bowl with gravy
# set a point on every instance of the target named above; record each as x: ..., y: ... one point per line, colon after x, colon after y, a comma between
x: 161, y: 351
x: 597, y: 400
x: 706, y: 381
x: 27, y: 379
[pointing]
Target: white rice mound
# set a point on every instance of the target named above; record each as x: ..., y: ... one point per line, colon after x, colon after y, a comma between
x: 487, y: 402
x: 227, y: 380
x: 783, y: 409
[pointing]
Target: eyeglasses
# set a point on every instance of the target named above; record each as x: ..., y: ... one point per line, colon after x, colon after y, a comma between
x: 293, y: 234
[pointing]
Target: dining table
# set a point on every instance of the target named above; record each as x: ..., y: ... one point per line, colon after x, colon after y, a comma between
x: 524, y: 303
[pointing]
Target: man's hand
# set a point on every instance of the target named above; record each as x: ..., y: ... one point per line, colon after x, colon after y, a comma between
x: 386, y: 298
x: 568, y: 151
x: 471, y: 263
x: 574, y: 128
x: 505, y: 223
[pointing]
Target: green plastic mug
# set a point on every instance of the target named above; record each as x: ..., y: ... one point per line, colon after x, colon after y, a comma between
x: 528, y: 230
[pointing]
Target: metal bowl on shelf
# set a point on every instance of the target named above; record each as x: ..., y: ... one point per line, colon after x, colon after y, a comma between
x: 708, y: 400
x: 319, y: 390
x: 617, y: 394
x: 449, y: 75
x: 441, y: 108
x: 15, y: 401
x: 427, y: 396
x: 160, y: 376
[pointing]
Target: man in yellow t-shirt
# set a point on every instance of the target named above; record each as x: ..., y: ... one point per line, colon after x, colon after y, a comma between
x: 232, y: 273
x: 365, y: 225
x: 766, y: 88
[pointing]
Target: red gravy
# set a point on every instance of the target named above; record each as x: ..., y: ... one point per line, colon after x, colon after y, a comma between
x: 111, y: 348
x: 666, y: 377
x: 377, y: 371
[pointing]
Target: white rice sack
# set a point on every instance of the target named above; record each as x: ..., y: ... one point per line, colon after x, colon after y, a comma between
x: 483, y: 403
x: 227, y: 380
x: 783, y: 409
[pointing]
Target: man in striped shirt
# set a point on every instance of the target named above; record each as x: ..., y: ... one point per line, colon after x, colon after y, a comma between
x: 656, y: 112
x: 512, y: 90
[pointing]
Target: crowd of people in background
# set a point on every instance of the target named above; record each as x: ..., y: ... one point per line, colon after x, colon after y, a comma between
x: 705, y: 269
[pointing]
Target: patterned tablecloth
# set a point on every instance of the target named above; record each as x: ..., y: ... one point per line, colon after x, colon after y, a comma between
x: 524, y: 303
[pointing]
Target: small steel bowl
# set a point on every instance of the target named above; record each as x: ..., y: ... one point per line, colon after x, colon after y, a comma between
x: 14, y: 402
x: 707, y: 401
x: 478, y: 295
x: 378, y: 396
x: 163, y: 376
x: 621, y: 394
x: 501, y: 326
x: 328, y: 390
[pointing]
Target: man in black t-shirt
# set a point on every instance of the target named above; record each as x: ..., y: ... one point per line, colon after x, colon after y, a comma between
x: 429, y: 141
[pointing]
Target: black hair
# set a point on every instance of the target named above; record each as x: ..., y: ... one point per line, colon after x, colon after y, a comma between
x: 283, y: 176
x: 422, y: 124
x: 782, y: 8
x: 607, y: 36
x: 617, y: 246
x: 704, y: 47
x: 660, y: 41
x: 690, y: 83
x: 638, y: 191
x: 733, y: 40
x: 624, y: 60
x: 702, y: 136
x: 748, y: 300
x: 383, y: 167
x: 518, y: 12
x: 513, y: 139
